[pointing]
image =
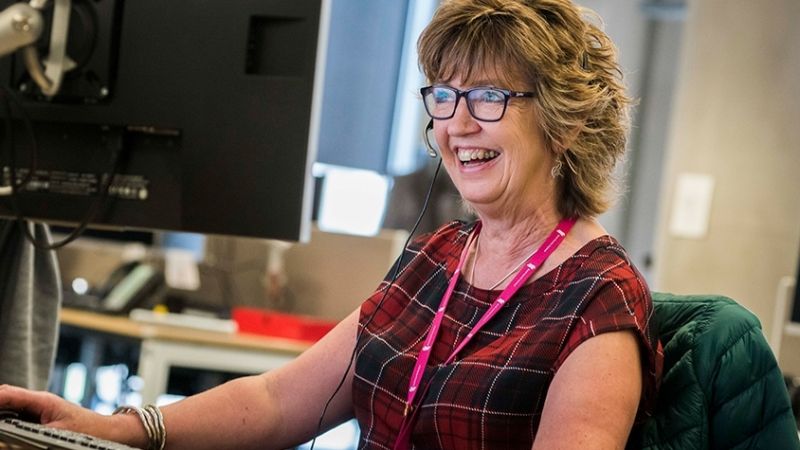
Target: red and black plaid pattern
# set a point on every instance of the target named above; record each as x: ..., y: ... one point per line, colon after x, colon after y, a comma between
x: 493, y: 394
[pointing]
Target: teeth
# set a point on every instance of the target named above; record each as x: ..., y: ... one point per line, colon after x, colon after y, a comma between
x: 470, y: 155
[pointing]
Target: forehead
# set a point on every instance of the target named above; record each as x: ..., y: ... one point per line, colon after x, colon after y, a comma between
x: 460, y: 75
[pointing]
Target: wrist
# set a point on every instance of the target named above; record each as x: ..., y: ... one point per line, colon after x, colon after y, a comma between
x: 128, y: 429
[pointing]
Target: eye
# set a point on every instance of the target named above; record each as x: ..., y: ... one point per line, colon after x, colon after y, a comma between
x: 443, y: 95
x: 488, y: 96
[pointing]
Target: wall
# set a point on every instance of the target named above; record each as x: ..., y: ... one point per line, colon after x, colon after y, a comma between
x: 647, y: 143
x: 648, y: 37
x: 328, y: 277
x: 737, y: 118
x: 625, y: 24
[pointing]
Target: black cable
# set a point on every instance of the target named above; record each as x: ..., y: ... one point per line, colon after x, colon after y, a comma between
x: 9, y: 125
x: 104, y: 184
x: 394, y: 276
x: 7, y: 97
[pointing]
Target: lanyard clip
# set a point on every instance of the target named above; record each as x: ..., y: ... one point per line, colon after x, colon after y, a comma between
x: 407, y: 409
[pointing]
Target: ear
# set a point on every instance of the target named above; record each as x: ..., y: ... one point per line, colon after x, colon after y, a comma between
x: 560, y: 151
x: 570, y: 138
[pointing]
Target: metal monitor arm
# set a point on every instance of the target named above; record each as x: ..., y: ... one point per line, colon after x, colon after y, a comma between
x: 21, y: 25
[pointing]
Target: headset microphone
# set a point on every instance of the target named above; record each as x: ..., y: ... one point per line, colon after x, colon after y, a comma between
x: 426, y: 138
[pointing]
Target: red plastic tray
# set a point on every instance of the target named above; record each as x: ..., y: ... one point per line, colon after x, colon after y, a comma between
x: 283, y: 325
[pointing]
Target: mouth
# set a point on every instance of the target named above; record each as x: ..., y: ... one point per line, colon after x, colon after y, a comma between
x: 475, y: 156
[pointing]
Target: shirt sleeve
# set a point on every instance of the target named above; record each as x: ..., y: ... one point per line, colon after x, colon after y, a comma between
x: 621, y: 302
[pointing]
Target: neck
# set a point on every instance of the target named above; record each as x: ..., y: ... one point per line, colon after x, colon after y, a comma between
x: 504, y: 244
x: 512, y: 237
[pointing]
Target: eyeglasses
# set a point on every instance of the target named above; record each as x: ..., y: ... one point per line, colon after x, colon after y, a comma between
x: 486, y: 104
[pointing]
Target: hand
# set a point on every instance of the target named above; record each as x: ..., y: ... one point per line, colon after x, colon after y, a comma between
x: 51, y: 410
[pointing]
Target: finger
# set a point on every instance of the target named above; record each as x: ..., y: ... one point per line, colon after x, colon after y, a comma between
x: 23, y: 401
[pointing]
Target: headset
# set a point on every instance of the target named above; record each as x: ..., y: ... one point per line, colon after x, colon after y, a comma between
x: 427, y: 140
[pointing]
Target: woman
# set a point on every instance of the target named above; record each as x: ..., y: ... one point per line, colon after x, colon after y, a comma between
x: 528, y: 328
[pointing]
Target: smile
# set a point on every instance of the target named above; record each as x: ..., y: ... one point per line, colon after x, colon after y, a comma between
x: 469, y: 155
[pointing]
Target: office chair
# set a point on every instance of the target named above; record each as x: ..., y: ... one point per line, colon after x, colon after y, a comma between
x: 721, y: 387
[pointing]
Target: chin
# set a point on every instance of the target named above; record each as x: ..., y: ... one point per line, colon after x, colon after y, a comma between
x: 477, y: 202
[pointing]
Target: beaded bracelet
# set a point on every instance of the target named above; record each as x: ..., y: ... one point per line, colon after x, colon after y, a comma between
x: 153, y: 422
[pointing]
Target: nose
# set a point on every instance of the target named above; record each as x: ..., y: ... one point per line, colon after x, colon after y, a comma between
x: 462, y: 121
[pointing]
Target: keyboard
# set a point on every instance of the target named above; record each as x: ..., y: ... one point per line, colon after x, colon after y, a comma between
x: 21, y: 435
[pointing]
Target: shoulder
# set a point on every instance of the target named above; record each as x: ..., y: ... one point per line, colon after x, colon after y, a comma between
x: 439, y: 245
x: 604, y: 257
x: 424, y: 265
x: 428, y: 255
x: 602, y: 286
x: 450, y: 232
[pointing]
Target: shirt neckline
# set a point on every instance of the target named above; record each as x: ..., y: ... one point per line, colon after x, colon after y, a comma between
x: 542, y: 285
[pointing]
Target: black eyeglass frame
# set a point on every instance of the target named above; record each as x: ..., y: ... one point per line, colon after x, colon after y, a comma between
x: 507, y: 94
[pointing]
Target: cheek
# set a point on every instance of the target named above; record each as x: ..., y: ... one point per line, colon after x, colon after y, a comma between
x: 439, y: 135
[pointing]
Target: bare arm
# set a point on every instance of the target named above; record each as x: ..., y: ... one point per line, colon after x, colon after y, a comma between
x: 592, y: 401
x: 276, y: 409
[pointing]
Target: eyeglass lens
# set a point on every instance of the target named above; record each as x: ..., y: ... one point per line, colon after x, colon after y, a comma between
x: 483, y: 103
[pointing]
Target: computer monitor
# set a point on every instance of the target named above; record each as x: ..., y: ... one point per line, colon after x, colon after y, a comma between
x: 209, y: 109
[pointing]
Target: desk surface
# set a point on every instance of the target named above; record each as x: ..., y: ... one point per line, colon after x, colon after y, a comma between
x: 123, y: 326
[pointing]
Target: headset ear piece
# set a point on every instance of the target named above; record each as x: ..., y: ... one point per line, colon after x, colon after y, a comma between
x: 427, y: 139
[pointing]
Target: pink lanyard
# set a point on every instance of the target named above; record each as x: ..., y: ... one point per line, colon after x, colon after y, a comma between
x: 534, y: 262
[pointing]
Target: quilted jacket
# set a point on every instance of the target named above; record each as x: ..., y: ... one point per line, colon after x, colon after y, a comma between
x: 722, y: 388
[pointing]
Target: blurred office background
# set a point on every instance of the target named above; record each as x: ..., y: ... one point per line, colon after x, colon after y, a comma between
x: 711, y: 199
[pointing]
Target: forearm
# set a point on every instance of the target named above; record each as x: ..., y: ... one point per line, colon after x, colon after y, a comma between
x: 277, y: 409
x: 239, y: 414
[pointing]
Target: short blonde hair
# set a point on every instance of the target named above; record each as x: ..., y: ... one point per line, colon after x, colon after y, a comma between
x: 553, y: 47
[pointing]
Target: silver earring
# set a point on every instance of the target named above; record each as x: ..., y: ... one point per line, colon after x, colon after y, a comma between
x: 555, y: 172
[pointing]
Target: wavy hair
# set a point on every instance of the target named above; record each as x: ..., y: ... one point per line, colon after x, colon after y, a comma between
x: 556, y: 48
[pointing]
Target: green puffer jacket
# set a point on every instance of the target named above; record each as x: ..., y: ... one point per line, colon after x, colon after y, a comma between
x: 721, y: 388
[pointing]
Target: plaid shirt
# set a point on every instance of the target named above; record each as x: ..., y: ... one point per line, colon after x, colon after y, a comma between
x: 492, y: 396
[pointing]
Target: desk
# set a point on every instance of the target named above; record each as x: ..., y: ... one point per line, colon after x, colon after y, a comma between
x: 164, y: 346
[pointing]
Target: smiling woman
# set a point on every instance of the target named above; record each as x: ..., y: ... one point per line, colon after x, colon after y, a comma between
x: 530, y: 117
